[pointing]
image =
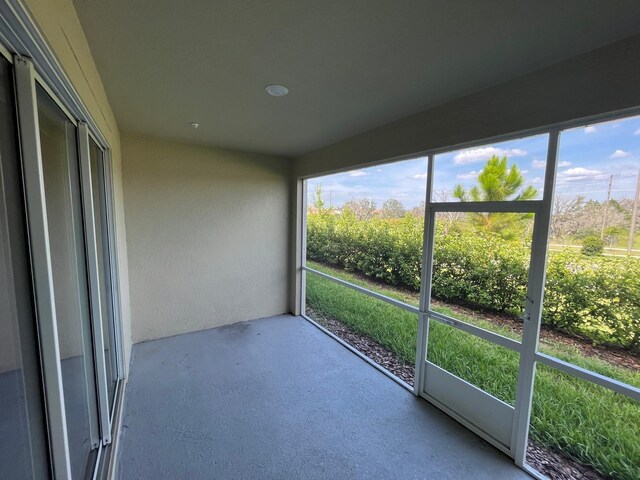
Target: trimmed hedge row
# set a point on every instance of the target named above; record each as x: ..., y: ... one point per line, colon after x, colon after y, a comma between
x: 597, y: 297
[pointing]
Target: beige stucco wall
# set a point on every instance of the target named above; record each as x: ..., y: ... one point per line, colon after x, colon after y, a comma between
x: 59, y: 24
x: 207, y: 232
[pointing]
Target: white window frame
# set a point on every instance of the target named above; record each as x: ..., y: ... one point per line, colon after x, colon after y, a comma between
x: 41, y: 266
x: 94, y: 282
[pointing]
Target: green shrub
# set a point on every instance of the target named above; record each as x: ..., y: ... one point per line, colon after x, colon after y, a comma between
x: 388, y: 251
x: 480, y: 270
x: 592, y: 246
x: 594, y: 296
x: 598, y: 297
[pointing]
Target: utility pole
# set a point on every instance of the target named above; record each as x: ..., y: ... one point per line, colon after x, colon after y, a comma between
x: 606, y: 207
x: 634, y: 215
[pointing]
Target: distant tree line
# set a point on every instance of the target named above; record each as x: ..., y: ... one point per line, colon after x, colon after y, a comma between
x: 574, y: 218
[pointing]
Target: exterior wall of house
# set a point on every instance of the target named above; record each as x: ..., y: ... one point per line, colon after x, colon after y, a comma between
x: 59, y: 24
x: 207, y: 233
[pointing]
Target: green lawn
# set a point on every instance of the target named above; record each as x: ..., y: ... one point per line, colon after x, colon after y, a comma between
x: 594, y: 425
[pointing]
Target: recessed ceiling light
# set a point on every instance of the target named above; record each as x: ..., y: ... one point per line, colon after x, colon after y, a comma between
x: 277, y: 90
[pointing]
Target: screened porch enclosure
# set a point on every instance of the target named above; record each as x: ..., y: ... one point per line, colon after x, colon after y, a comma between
x: 449, y: 295
x: 319, y: 240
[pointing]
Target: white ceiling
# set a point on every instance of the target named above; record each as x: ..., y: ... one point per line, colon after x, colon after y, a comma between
x: 350, y: 65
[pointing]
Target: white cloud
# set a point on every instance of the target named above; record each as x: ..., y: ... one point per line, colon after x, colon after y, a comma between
x: 539, y: 164
x: 468, y: 176
x: 619, y: 154
x: 590, y: 129
x: 572, y: 172
x: 484, y: 153
x: 358, y: 173
x: 637, y: 132
x: 578, y: 174
x: 420, y: 175
x: 345, y: 190
x: 378, y: 169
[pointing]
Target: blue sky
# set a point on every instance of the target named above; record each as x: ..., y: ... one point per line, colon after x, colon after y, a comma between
x: 587, y: 157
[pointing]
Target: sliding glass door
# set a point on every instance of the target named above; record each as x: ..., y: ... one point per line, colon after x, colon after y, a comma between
x: 23, y: 438
x: 58, y: 142
x: 59, y: 347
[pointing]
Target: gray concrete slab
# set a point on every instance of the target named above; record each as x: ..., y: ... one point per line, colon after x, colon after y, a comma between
x: 278, y: 399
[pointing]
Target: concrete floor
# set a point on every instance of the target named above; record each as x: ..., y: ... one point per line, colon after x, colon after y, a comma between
x: 277, y: 398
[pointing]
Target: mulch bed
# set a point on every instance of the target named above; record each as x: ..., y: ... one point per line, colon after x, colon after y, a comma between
x: 366, y: 345
x: 558, y: 467
x: 546, y: 461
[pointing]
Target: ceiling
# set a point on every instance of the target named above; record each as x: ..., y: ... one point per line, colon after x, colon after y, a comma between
x: 349, y: 65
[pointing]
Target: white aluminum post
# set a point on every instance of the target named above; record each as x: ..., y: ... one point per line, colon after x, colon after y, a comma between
x: 303, y: 247
x: 425, y: 283
x: 106, y: 233
x: 113, y: 262
x: 94, y: 282
x: 533, y: 309
x: 590, y: 376
x: 41, y: 265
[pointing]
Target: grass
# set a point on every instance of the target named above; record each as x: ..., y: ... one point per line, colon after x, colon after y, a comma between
x: 590, y: 423
x: 390, y: 326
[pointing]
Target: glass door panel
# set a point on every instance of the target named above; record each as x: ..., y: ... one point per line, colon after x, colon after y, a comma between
x: 23, y: 450
x: 98, y: 184
x: 58, y: 139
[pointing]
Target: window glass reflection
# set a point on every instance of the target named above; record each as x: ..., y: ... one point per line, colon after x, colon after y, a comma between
x: 62, y: 191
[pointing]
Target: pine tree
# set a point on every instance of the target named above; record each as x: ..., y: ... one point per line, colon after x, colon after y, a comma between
x: 497, y: 182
